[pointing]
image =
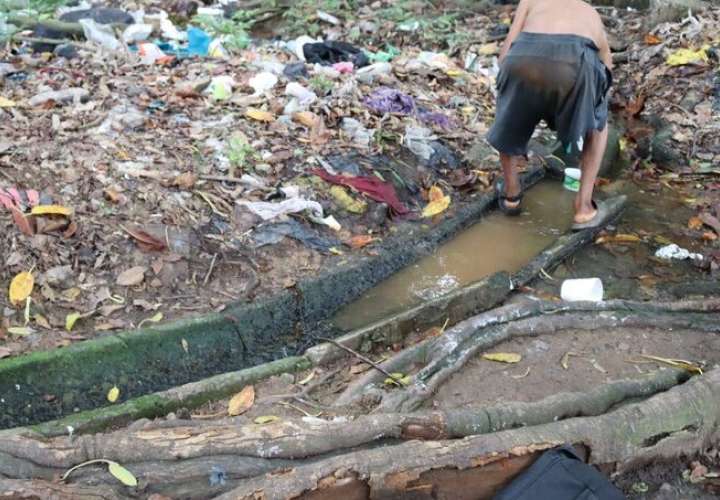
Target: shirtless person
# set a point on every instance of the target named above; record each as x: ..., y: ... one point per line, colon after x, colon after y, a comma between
x: 555, y: 66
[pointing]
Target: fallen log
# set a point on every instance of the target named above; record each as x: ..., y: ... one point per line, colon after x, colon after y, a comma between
x: 442, y: 356
x: 175, y: 458
x: 678, y: 422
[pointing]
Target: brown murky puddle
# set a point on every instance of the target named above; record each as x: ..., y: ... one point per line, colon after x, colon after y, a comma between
x: 496, y: 243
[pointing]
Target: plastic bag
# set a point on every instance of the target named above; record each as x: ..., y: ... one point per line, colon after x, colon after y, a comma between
x: 262, y: 82
x: 418, y: 139
x: 100, y: 34
x: 137, y: 33
x: 360, y: 135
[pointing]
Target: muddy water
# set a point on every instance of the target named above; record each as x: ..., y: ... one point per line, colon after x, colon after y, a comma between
x: 497, y: 243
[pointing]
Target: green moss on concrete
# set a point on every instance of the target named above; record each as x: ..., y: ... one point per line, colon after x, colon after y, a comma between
x: 152, y: 405
x: 44, y: 386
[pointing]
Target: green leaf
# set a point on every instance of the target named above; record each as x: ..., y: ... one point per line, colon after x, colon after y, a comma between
x: 266, y: 419
x: 70, y: 320
x: 20, y: 330
x: 122, y: 474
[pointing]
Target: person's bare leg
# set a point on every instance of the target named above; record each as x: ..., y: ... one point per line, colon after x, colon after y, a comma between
x: 512, y: 181
x: 590, y: 160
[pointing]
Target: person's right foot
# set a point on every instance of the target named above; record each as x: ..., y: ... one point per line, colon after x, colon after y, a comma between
x: 584, y: 213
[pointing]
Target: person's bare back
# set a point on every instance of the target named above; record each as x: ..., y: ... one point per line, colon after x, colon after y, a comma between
x: 574, y: 17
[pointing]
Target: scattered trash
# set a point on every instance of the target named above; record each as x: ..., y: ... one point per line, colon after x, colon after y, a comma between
x: 329, y: 53
x: 100, y: 34
x: 360, y: 136
x: 673, y: 251
x: 372, y: 187
x: 368, y: 74
x: 571, y: 181
x: 271, y: 234
x: 587, y: 289
x: 267, y: 210
x: 137, y: 33
x: 418, y: 140
x: 74, y: 95
x: 301, y: 98
x: 262, y: 82
x: 221, y: 87
x: 387, y: 100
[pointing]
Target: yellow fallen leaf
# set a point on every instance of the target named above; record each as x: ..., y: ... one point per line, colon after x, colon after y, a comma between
x: 687, y: 56
x: 20, y: 330
x: 488, y: 49
x: 452, y: 73
x: 122, y: 474
x: 307, y: 379
x: 113, y: 394
x: 260, y: 115
x: 618, y: 238
x: 51, y: 210
x: 42, y: 321
x: 439, y: 202
x: 153, y: 319
x: 71, y: 319
x: 677, y: 363
x: 242, y: 401
x: 307, y: 118
x: 397, y: 378
x: 6, y: 103
x: 335, y: 251
x: 21, y: 287
x: 503, y: 357
x: 266, y: 419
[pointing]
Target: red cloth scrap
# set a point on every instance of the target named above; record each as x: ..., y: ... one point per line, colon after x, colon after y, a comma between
x: 374, y: 188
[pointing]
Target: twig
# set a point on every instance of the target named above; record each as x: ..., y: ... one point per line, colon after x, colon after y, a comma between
x: 212, y: 266
x: 362, y: 358
x: 222, y: 178
x: 206, y: 198
x: 297, y: 408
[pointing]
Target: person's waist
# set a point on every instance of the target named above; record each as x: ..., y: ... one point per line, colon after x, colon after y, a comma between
x: 559, y: 38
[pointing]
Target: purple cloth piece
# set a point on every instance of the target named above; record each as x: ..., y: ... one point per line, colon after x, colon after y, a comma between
x: 434, y: 118
x: 387, y: 100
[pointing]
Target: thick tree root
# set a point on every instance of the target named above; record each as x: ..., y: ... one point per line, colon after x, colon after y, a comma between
x: 249, y: 451
x: 444, y: 355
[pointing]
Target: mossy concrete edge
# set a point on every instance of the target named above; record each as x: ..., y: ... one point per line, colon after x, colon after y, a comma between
x: 189, y: 396
x: 48, y: 385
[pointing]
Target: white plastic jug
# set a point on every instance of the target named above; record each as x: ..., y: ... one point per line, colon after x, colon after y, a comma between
x: 588, y: 289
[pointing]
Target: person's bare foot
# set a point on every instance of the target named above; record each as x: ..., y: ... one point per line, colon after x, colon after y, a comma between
x: 584, y: 212
x: 512, y: 190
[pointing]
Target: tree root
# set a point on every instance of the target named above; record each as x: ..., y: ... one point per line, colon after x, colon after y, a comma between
x: 444, y: 355
x: 650, y: 430
x: 248, y: 451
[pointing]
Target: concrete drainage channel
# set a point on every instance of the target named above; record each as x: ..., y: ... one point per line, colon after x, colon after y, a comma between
x: 47, y: 385
x: 252, y: 339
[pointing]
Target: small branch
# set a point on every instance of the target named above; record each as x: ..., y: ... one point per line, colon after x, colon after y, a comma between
x: 361, y: 358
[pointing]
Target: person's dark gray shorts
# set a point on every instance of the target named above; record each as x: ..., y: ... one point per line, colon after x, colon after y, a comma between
x: 556, y: 78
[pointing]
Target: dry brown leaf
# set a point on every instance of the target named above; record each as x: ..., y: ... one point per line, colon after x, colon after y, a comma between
x: 146, y: 241
x: 651, y: 39
x: 186, y: 180
x: 242, y: 401
x: 361, y: 240
x: 711, y: 221
x: 695, y: 223
x: 24, y: 223
x: 131, y: 277
x: 306, y: 118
